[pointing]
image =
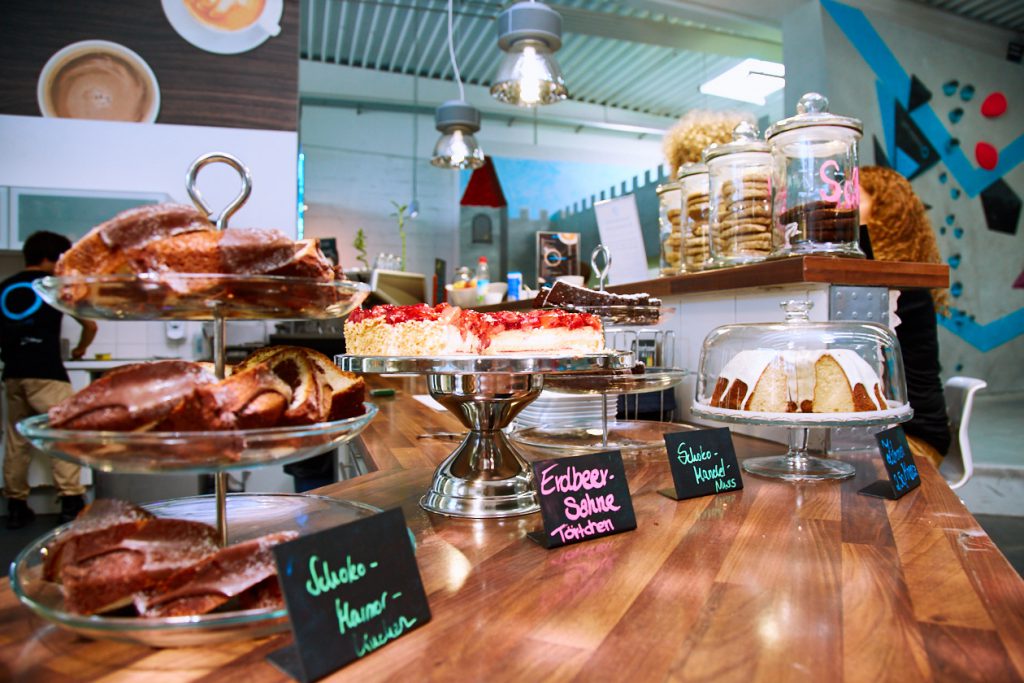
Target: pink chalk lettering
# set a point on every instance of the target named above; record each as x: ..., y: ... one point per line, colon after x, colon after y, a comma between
x: 574, y: 532
x: 572, y: 480
x: 588, y: 506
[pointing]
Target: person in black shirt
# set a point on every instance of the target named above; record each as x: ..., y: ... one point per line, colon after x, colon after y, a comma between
x: 899, y: 230
x: 34, y: 376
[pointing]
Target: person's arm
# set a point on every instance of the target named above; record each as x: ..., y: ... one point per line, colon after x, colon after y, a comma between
x: 89, y: 328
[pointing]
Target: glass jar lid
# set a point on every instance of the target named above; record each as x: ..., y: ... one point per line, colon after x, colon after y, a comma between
x: 667, y: 187
x: 812, y: 110
x: 691, y: 169
x: 745, y: 138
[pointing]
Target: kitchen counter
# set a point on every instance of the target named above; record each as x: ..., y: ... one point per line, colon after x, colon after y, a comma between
x: 778, y: 581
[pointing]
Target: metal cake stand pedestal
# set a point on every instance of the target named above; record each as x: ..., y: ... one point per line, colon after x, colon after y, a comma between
x: 796, y: 464
x: 485, y: 476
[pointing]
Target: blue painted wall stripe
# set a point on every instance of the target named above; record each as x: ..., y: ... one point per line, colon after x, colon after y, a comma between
x: 986, y: 337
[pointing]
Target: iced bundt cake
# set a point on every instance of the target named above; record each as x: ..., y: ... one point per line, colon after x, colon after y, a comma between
x: 806, y: 381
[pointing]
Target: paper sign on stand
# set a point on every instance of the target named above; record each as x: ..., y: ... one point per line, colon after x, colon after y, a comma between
x: 618, y: 223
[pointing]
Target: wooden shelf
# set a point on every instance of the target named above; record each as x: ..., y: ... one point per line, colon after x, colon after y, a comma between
x: 817, y: 269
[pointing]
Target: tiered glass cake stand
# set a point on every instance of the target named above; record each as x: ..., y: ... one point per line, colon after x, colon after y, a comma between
x: 623, y: 435
x: 237, y: 517
x: 485, y: 476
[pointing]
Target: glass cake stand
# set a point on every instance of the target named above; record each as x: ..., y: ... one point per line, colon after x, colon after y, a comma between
x: 252, y: 515
x: 485, y: 476
x: 796, y: 464
x: 168, y: 296
x: 624, y: 435
x: 177, y: 296
x: 178, y: 452
x: 190, y: 296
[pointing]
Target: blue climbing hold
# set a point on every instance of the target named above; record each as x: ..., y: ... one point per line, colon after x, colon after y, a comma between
x: 943, y: 177
x: 949, y: 87
x: 956, y: 115
x: 950, y: 218
x: 954, y: 261
x: 954, y: 193
x: 957, y: 289
x: 958, y: 233
x: 966, y: 93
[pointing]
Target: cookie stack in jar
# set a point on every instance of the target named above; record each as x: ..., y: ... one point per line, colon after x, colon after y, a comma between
x: 740, y: 198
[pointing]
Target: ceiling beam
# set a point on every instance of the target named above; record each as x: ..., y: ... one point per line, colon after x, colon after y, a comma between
x: 665, y: 34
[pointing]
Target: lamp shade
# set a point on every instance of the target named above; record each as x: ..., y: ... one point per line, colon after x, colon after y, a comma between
x: 457, y: 120
x: 529, y: 33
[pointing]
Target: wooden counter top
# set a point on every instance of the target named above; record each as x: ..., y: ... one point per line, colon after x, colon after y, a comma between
x: 777, y: 582
x: 813, y: 269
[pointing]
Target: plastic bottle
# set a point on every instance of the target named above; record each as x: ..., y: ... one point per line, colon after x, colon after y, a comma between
x: 483, y: 278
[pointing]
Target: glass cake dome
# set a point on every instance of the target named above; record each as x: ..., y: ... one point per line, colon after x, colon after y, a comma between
x: 799, y: 373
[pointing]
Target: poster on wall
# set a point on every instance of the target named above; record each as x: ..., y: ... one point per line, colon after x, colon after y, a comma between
x: 191, y: 62
x: 558, y: 253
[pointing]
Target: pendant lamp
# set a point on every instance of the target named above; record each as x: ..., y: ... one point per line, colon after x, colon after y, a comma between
x: 529, y: 33
x: 457, y: 120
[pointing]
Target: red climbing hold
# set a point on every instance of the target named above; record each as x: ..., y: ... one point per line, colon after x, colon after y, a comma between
x: 994, y: 105
x: 986, y: 155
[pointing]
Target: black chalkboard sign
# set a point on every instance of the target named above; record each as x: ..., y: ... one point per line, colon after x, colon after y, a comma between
x: 350, y: 590
x: 582, y: 498
x: 899, y: 464
x: 703, y: 462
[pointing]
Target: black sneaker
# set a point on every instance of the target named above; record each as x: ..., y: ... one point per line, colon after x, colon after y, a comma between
x: 19, y: 514
x: 70, y: 506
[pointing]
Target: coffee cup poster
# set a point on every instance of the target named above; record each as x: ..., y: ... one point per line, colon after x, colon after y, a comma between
x: 228, y: 63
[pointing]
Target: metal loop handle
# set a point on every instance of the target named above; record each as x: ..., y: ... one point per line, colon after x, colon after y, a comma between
x: 601, y: 273
x: 236, y: 203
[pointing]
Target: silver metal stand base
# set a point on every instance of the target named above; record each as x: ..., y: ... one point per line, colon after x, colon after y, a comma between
x: 484, y: 477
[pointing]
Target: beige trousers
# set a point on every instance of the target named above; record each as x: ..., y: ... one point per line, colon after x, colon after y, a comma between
x: 25, y: 398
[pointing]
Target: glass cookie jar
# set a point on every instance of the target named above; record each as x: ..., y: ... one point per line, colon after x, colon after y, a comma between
x: 670, y: 224
x: 741, y: 194
x: 801, y: 374
x: 694, y: 186
x: 815, y: 175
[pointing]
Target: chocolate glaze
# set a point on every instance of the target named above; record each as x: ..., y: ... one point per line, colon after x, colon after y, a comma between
x: 131, y: 397
x: 137, y: 227
x: 215, y: 579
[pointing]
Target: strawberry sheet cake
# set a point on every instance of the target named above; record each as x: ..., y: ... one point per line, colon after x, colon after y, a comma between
x: 445, y: 330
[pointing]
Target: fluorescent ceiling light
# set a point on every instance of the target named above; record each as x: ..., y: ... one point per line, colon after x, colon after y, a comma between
x: 749, y: 81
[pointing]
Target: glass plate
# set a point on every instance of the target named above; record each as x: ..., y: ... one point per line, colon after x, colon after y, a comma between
x: 652, y: 379
x: 190, y: 296
x: 510, y: 363
x: 249, y: 515
x: 214, y: 451
x: 895, y: 413
x: 623, y: 435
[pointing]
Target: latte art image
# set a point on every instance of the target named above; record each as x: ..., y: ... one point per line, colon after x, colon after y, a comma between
x: 226, y: 15
x: 100, y: 86
x: 98, y: 80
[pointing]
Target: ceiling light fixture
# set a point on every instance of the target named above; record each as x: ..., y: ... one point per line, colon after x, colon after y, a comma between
x: 752, y: 80
x: 529, y: 33
x: 457, y: 120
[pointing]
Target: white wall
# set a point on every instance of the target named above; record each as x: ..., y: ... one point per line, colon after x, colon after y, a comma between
x: 99, y: 155
x: 358, y: 163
